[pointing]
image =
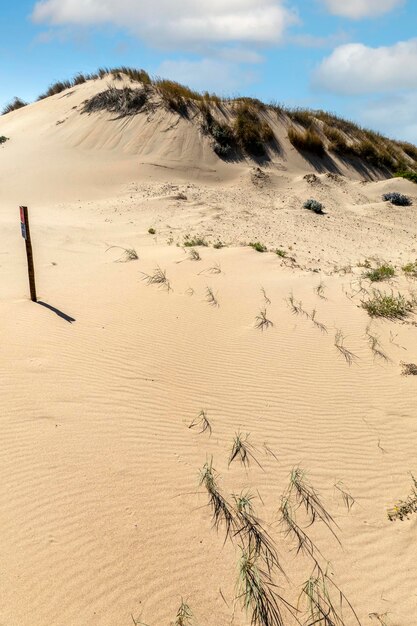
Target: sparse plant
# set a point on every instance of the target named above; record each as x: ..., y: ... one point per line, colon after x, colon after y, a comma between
x: 306, y: 141
x: 319, y: 290
x: 243, y: 450
x: 125, y: 101
x: 296, y: 307
x: 339, y: 339
x: 322, y: 327
x: 194, y: 242
x: 397, y: 199
x: 410, y: 269
x: 222, y: 511
x: 375, y: 345
x: 129, y: 254
x: 151, y: 231
x: 307, y: 497
x: 194, y: 255
x: 3, y: 139
x: 404, y: 508
x: 258, y: 592
x: 348, y: 499
x: 281, y: 253
x: 259, y: 247
x: 267, y: 300
x: 408, y: 174
x: 184, y: 615
x: 251, y: 132
x: 322, y: 609
x: 390, y: 306
x: 218, y: 245
x: 313, y: 205
x: 211, y: 298
x: 382, y: 272
x: 409, y: 369
x: 159, y: 277
x: 293, y: 530
x: 262, y: 322
x: 201, y: 422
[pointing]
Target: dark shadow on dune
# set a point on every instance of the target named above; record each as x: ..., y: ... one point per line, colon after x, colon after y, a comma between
x: 321, y: 164
x: 364, y: 168
x: 64, y: 316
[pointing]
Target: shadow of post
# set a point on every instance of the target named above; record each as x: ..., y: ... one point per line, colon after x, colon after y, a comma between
x: 64, y: 316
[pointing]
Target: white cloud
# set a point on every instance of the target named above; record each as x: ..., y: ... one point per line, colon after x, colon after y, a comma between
x: 354, y: 69
x: 357, y: 9
x: 219, y: 76
x: 185, y: 24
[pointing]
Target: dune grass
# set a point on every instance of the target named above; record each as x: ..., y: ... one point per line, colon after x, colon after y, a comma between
x: 339, y: 339
x: 14, y: 105
x: 158, y: 277
x: 380, y: 273
x: 259, y: 247
x: 3, y: 139
x: 404, y: 508
x: 184, y: 615
x: 389, y: 305
x: 201, y: 422
x: 129, y: 254
x: 306, y: 140
x: 410, y: 269
x: 261, y: 320
x: 222, y: 511
x: 242, y: 450
x: 125, y: 101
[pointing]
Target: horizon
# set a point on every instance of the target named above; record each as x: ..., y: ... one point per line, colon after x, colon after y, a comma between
x: 355, y: 59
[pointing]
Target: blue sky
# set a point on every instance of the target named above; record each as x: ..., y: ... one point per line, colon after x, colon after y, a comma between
x: 357, y: 58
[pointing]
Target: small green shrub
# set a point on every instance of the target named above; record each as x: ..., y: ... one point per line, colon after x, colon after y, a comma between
x: 306, y: 141
x: 15, y: 104
x: 391, y: 306
x: 125, y: 101
x: 151, y: 231
x: 3, y: 139
x: 410, y: 269
x: 408, y: 175
x: 382, y: 272
x: 313, y: 205
x: 281, y: 253
x: 259, y: 247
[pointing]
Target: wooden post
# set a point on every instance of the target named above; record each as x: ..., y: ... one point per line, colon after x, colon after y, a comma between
x: 24, y: 225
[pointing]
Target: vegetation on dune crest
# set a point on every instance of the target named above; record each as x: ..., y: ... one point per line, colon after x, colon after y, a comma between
x: 310, y: 131
x: 14, y: 105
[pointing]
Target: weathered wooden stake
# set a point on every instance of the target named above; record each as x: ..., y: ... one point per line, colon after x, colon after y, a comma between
x: 24, y: 225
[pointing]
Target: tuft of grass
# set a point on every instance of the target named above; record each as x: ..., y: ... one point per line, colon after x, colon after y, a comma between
x: 3, y: 139
x: 194, y: 255
x: 194, y: 241
x: 397, y: 199
x: 219, y: 245
x: 258, y: 592
x: 307, y: 497
x: 129, y: 254
x: 319, y: 290
x: 251, y: 132
x: 382, y: 272
x: 281, y: 253
x: 339, y: 339
x: 159, y: 277
x: 56, y: 88
x: 390, y: 306
x: 125, y: 101
x: 313, y: 205
x: 184, y: 615
x: 259, y: 247
x: 211, y: 298
x: 409, y: 369
x: 375, y: 345
x: 306, y: 141
x: 322, y: 327
x: 14, y: 105
x: 222, y: 512
x: 254, y: 536
x: 262, y: 322
x: 267, y: 300
x: 322, y: 608
x: 201, y: 422
x: 294, y: 531
x: 151, y: 231
x: 404, y: 508
x: 410, y: 269
x: 242, y: 450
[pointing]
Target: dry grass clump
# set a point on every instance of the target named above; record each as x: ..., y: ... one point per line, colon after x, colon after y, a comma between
x: 404, y: 508
x: 136, y: 75
x: 262, y: 322
x: 409, y: 369
x: 375, y: 345
x: 56, y: 88
x: 339, y: 339
x: 251, y: 132
x: 14, y: 105
x: 159, y: 277
x: 201, y: 422
x: 221, y: 510
x: 348, y: 499
x: 184, y: 615
x: 211, y: 298
x: 125, y: 101
x: 306, y: 141
x: 390, y: 306
x: 129, y: 254
x: 243, y: 450
x: 192, y: 242
x: 176, y: 96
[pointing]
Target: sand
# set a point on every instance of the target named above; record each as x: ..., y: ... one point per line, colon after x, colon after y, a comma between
x: 102, y: 518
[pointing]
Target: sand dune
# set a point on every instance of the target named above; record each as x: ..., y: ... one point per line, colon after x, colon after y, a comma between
x: 102, y: 517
